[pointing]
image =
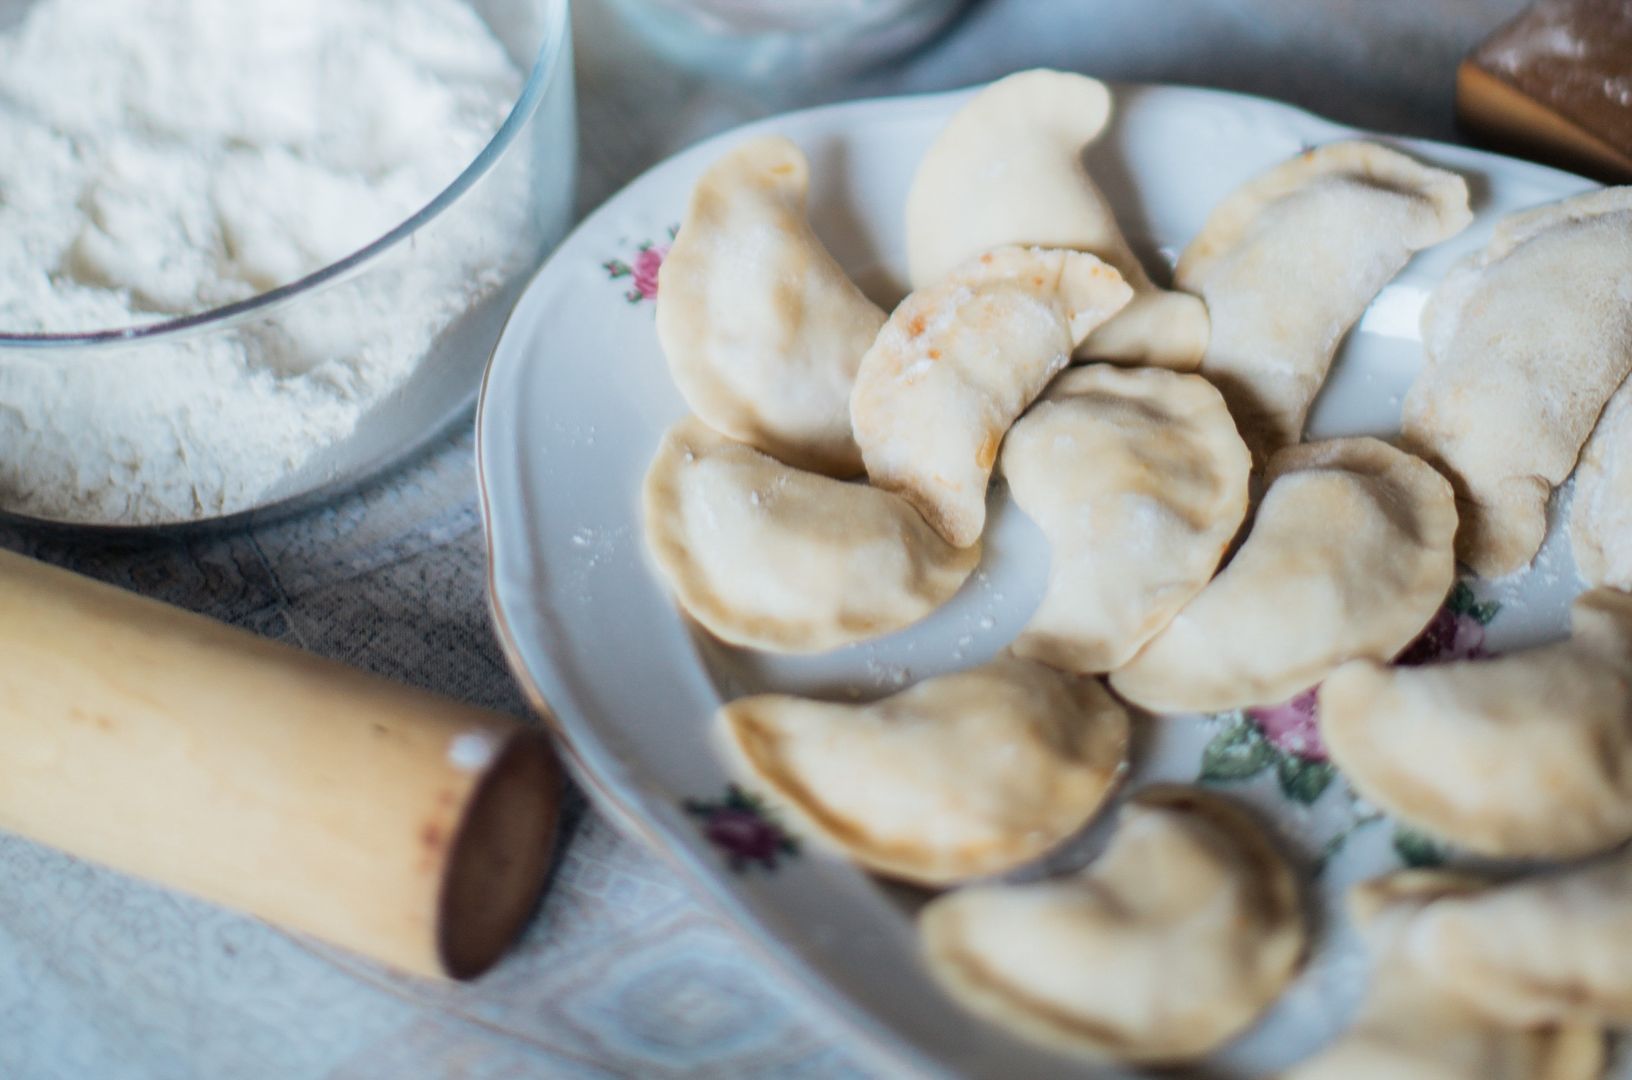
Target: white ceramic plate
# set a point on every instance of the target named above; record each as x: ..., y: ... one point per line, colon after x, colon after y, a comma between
x: 575, y: 401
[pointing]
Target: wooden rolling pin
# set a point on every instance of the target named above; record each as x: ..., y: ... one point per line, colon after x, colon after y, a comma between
x: 401, y: 825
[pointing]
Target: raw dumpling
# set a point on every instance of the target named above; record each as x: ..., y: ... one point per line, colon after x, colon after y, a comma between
x: 960, y: 776
x: 1176, y: 939
x: 1601, y: 515
x: 1525, y: 343
x: 761, y: 328
x: 959, y: 360
x: 774, y: 558
x: 1350, y: 556
x: 1554, y: 948
x: 1412, y: 1029
x: 1139, y: 481
x: 1529, y: 754
x: 1289, y: 261
x: 1008, y: 169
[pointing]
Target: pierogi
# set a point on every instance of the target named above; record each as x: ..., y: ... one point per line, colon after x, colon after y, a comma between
x: 1411, y: 1028
x: 1350, y: 555
x: 959, y: 360
x: 1009, y: 169
x: 1550, y: 948
x: 1138, y: 480
x: 960, y: 776
x: 1525, y: 343
x: 1289, y: 261
x: 1528, y: 754
x: 767, y: 556
x: 1601, y: 512
x: 762, y: 330
x: 1169, y: 944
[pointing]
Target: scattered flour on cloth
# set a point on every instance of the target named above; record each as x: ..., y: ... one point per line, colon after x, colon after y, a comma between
x: 162, y: 158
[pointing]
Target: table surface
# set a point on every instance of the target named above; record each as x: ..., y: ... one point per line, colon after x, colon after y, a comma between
x: 623, y: 972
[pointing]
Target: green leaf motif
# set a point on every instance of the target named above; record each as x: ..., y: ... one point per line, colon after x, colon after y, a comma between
x: 1462, y: 601
x: 1239, y: 752
x: 1302, y: 780
x: 1417, y: 850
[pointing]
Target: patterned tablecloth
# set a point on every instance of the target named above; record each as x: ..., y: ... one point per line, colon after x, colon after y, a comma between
x: 622, y: 973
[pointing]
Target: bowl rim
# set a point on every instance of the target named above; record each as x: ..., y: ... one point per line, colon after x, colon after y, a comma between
x: 544, y: 67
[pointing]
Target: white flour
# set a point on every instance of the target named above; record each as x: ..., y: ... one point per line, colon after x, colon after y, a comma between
x: 164, y: 157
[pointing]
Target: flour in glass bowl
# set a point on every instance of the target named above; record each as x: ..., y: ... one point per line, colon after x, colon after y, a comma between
x: 162, y: 158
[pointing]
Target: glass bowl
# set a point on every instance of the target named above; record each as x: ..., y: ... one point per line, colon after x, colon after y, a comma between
x: 775, y: 41
x: 387, y: 302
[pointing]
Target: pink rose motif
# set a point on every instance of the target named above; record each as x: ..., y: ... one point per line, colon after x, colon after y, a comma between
x: 647, y: 263
x: 1450, y: 636
x: 1290, y: 727
x: 1285, y: 739
x: 640, y: 272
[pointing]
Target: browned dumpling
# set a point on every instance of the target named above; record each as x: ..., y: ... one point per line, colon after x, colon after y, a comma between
x: 961, y: 776
x: 959, y: 360
x: 1172, y: 942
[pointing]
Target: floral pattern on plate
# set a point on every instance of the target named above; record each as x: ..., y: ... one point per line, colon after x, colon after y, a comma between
x: 744, y: 831
x: 1285, y: 738
x: 640, y: 269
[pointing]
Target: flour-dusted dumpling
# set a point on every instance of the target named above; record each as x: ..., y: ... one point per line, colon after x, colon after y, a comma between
x: 767, y: 556
x: 1008, y: 169
x: 1529, y: 754
x: 1525, y: 343
x: 762, y: 330
x: 1172, y: 942
x: 1289, y: 261
x: 1601, y: 515
x: 1553, y: 948
x: 1410, y: 1028
x: 1139, y: 481
x: 1350, y: 556
x: 959, y: 360
x: 960, y: 776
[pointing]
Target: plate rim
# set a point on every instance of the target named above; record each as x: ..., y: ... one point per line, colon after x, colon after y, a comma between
x: 875, y: 1039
